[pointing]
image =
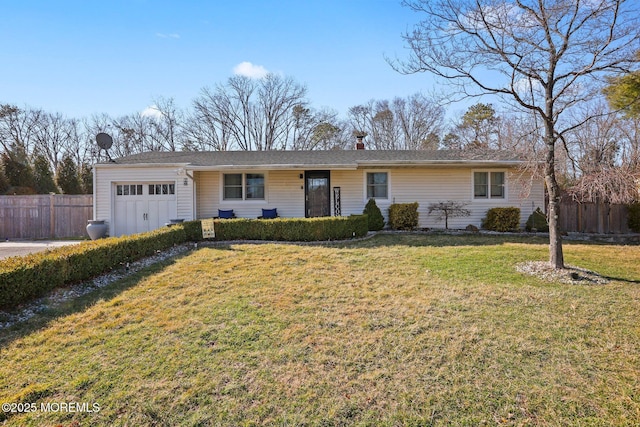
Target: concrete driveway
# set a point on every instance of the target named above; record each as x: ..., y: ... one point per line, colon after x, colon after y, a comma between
x: 23, y: 247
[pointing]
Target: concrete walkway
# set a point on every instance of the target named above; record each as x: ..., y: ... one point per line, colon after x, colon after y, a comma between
x: 23, y: 247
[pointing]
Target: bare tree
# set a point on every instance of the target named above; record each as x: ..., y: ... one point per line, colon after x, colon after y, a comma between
x: 226, y: 114
x: 595, y: 144
x: 410, y: 123
x: 166, y: 125
x: 448, y: 209
x: 201, y: 133
x: 277, y: 98
x: 55, y: 135
x: 130, y: 135
x: 91, y: 127
x: 542, y: 56
x: 604, y: 158
x: 420, y: 120
x: 18, y: 128
x: 249, y: 114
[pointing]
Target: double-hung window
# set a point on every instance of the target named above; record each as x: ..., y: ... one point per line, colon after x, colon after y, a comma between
x: 377, y: 185
x: 243, y: 186
x: 488, y: 185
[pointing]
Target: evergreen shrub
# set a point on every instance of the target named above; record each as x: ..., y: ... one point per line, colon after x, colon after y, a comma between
x: 376, y: 220
x: 502, y: 219
x: 633, y: 220
x: 403, y: 216
x: 538, y: 221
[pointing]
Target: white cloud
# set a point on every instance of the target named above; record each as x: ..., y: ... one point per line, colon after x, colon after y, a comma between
x: 250, y: 70
x: 151, y: 111
x: 168, y: 36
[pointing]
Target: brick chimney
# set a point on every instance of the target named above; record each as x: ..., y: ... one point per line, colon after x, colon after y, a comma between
x: 359, y: 143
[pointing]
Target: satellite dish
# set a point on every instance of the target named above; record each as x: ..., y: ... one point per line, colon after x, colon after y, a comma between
x: 104, y: 140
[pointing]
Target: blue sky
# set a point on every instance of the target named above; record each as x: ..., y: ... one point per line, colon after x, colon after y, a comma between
x: 84, y: 57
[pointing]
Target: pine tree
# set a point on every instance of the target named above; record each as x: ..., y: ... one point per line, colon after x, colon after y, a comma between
x: 4, y: 182
x: 86, y: 178
x: 67, y: 176
x: 43, y: 176
x: 18, y: 170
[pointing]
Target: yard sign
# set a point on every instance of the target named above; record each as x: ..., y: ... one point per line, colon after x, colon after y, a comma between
x: 208, y: 231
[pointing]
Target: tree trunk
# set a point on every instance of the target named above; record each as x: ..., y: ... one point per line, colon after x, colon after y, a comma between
x: 556, y: 257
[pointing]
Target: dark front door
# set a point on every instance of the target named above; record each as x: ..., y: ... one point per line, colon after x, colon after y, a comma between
x: 317, y: 194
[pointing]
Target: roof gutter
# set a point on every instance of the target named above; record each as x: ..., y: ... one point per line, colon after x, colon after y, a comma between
x: 276, y: 167
x: 417, y: 163
x: 140, y: 165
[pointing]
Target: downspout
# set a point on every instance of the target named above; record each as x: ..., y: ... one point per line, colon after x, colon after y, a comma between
x: 193, y: 193
x: 95, y: 180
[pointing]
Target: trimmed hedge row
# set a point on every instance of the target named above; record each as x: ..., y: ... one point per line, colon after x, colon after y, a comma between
x: 285, y: 229
x: 31, y: 276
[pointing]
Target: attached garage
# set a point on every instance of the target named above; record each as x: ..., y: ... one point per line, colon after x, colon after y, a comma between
x: 139, y: 198
x: 143, y: 206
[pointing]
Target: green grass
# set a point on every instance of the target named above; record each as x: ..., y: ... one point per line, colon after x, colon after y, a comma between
x: 395, y: 330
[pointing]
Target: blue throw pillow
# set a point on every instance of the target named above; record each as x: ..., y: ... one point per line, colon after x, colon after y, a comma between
x: 225, y: 213
x: 269, y: 213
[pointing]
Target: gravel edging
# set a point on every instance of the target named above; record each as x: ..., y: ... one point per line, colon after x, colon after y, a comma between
x: 60, y: 295
x: 571, y: 275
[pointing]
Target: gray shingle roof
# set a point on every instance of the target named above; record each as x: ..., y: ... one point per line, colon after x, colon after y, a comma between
x: 328, y: 159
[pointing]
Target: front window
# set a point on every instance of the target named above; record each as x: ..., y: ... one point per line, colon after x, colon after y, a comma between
x: 497, y: 185
x: 233, y: 186
x: 254, y: 188
x: 239, y: 186
x: 377, y: 185
x: 488, y: 185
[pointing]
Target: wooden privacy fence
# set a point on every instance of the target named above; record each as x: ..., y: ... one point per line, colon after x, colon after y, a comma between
x: 45, y: 216
x: 593, y: 218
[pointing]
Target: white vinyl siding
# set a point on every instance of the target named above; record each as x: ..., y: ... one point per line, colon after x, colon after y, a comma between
x: 285, y: 191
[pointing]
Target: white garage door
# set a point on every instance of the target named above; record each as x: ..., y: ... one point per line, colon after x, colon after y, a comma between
x: 141, y: 207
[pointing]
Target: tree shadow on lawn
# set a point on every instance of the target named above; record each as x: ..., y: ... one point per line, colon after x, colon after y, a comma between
x: 53, y: 311
x: 462, y: 238
x: 470, y: 239
x: 442, y: 239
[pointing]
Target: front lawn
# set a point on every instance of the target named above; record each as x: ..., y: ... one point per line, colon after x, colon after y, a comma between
x: 396, y: 330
